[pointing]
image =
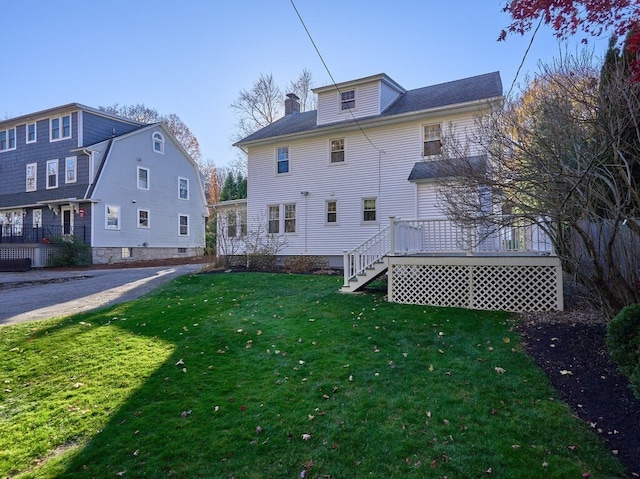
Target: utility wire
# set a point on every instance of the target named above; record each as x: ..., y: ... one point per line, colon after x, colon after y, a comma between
x: 524, y: 57
x: 331, y: 76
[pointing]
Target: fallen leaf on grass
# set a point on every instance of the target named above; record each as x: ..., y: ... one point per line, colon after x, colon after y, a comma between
x: 306, y: 437
x: 500, y: 370
x: 185, y: 414
x: 566, y: 372
x: 180, y: 362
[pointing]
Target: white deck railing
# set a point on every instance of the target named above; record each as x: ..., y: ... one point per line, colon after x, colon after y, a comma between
x: 443, y: 236
x: 366, y: 254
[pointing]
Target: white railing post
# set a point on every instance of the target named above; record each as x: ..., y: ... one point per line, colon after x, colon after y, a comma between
x: 345, y: 264
x: 392, y: 233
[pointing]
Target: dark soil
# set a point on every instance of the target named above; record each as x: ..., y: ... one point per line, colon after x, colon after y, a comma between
x: 570, y: 347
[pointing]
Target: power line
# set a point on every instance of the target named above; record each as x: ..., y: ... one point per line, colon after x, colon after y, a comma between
x: 524, y: 57
x: 331, y: 76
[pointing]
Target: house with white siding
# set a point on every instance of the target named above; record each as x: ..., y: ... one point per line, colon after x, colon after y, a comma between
x: 337, y: 182
x: 129, y: 190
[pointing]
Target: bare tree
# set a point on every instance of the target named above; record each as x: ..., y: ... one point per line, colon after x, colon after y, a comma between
x: 302, y: 88
x: 556, y: 157
x: 259, y: 106
x: 175, y: 125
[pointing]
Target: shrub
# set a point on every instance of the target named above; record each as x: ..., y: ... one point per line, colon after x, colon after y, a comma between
x: 71, y: 251
x: 623, y: 343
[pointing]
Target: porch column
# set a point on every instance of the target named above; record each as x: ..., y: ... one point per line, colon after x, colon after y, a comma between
x: 392, y: 232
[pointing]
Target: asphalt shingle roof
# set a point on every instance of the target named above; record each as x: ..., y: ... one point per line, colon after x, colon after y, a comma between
x: 455, y: 92
x: 428, y: 170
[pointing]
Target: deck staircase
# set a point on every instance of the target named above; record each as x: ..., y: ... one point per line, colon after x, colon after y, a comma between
x: 366, y: 262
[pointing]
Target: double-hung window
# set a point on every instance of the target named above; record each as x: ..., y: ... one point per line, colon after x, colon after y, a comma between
x: 332, y: 211
x: 337, y: 150
x: 283, y: 159
x: 143, y: 178
x: 290, y: 218
x: 369, y: 209
x: 274, y: 219
x: 183, y: 188
x: 52, y: 174
x: 32, y: 177
x: 432, y: 140
x: 60, y: 128
x: 232, y: 229
x: 183, y: 225
x: 31, y: 133
x: 347, y: 100
x: 70, y: 169
x: 143, y: 218
x: 8, y: 139
x: 112, y: 217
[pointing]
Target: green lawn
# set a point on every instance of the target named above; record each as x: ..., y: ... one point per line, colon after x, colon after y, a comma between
x: 248, y: 375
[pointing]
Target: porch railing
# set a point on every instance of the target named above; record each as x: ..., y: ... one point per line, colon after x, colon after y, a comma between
x: 443, y: 236
x: 41, y: 234
x: 366, y: 254
x: 439, y: 236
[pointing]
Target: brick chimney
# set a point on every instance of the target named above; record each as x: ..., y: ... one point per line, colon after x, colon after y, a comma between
x: 291, y: 104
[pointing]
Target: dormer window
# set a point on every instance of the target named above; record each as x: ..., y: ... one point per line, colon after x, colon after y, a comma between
x: 8, y: 139
x: 432, y: 140
x: 158, y: 143
x: 348, y: 100
x: 60, y: 128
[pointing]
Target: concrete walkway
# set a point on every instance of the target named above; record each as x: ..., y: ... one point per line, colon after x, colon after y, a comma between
x: 42, y: 294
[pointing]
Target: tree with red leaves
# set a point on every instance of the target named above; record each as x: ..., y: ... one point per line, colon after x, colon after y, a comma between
x: 619, y: 18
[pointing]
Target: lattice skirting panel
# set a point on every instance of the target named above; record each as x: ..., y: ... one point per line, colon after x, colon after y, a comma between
x: 490, y: 283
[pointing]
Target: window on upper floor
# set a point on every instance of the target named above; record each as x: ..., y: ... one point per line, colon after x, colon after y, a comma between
x: 332, y: 212
x: 347, y: 100
x: 432, y: 140
x: 112, y: 217
x: 183, y: 225
x: 274, y: 219
x: 32, y: 177
x: 143, y: 218
x: 52, y: 174
x: 60, y: 128
x: 8, y: 139
x: 337, y: 150
x: 158, y: 142
x: 369, y: 209
x: 70, y: 169
x: 282, y: 154
x: 31, y: 133
x: 183, y: 188
x: 143, y: 178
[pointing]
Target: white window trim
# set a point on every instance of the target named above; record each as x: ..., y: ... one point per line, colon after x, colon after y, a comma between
x: 422, y: 131
x: 106, y: 217
x: 355, y: 101
x: 52, y: 162
x: 35, y: 177
x: 370, y: 222
x: 35, y: 133
x: 288, y: 172
x: 161, y: 142
x: 326, y: 212
x: 75, y: 169
x: 62, y: 137
x: 35, y: 216
x: 138, y: 169
x: 180, y: 178
x: 15, y: 140
x: 179, y: 225
x: 148, y: 218
x: 344, y: 151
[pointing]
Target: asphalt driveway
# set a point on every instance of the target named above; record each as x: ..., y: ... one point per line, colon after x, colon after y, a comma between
x: 42, y: 294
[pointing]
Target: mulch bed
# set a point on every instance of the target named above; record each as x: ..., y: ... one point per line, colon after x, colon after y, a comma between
x: 570, y: 347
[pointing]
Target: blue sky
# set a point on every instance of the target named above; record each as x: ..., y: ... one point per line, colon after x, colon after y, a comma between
x: 193, y: 57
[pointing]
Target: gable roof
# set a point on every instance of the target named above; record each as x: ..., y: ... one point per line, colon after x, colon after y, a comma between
x: 429, y: 170
x: 457, y: 92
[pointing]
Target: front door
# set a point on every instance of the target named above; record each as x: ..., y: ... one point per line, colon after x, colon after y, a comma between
x: 67, y: 220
